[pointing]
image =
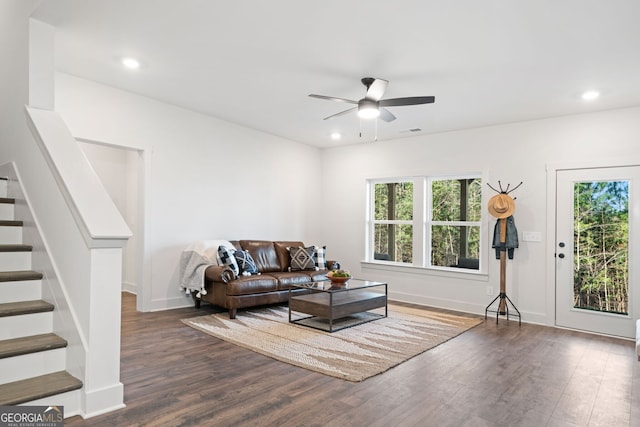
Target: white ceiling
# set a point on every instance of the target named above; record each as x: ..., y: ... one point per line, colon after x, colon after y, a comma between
x: 254, y: 62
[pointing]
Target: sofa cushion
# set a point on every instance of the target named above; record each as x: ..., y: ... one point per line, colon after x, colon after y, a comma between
x: 246, y: 285
x: 246, y: 264
x: 282, y: 249
x: 263, y: 253
x: 321, y: 257
x: 226, y: 257
x: 286, y: 278
x: 301, y: 258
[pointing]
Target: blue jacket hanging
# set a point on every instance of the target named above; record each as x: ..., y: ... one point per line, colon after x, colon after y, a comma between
x: 511, y: 241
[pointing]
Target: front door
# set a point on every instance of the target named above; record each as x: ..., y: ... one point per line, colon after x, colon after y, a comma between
x: 597, y: 249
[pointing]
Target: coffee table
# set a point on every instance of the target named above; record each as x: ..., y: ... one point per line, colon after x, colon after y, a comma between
x: 331, y: 307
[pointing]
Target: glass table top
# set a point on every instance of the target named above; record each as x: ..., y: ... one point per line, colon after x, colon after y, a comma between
x: 327, y: 286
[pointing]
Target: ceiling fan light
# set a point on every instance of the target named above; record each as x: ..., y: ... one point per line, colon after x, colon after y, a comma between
x: 368, y: 111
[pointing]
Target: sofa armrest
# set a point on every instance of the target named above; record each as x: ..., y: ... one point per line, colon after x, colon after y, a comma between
x: 218, y: 273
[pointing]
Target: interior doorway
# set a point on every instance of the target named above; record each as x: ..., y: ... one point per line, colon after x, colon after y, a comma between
x: 597, y: 226
x: 121, y: 171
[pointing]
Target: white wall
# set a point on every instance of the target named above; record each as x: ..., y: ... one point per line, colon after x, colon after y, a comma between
x: 110, y: 164
x: 205, y: 178
x: 510, y: 153
x: 117, y: 168
x: 132, y: 263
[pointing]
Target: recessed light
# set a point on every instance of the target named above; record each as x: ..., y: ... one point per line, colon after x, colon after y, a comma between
x: 335, y: 136
x: 590, y: 95
x: 131, y: 63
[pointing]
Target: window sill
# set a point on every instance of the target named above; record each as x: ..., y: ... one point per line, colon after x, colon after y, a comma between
x: 458, y: 273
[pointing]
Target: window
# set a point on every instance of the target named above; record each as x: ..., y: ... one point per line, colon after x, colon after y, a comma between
x: 426, y: 221
x: 454, y: 224
x: 393, y: 221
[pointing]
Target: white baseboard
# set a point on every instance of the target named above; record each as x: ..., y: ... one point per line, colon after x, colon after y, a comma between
x: 465, y: 307
x: 130, y: 287
x: 101, y: 401
x: 172, y: 303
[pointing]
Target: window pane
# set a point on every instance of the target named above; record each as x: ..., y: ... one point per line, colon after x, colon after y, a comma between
x: 393, y: 201
x: 455, y: 246
x: 456, y: 200
x: 393, y: 242
x: 601, y: 246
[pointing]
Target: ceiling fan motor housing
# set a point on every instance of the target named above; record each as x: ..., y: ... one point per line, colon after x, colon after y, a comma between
x: 367, y: 81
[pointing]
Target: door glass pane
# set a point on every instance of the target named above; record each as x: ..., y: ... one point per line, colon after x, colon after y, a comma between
x: 601, y: 246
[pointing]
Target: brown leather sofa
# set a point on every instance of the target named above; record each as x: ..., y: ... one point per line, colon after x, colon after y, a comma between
x: 271, y: 286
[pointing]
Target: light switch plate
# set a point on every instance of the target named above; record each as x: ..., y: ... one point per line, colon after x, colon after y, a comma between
x: 531, y: 236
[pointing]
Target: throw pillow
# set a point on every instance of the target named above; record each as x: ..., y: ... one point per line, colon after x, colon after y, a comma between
x: 302, y: 258
x: 246, y: 264
x: 226, y: 257
x: 321, y: 257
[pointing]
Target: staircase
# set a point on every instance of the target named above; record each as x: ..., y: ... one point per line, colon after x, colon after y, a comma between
x: 32, y: 357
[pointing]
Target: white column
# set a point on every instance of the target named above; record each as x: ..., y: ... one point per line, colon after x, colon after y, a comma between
x: 103, y: 390
x: 41, y: 64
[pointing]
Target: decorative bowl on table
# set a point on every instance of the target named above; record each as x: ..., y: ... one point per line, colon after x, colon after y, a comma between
x: 338, y: 276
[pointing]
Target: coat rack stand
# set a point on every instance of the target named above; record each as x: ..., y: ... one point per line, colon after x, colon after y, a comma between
x: 503, y: 300
x: 504, y: 303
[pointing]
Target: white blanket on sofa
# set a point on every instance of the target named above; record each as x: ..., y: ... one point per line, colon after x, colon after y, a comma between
x: 194, y: 261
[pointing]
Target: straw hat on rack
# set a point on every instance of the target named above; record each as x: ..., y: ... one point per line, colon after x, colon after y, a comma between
x: 501, y: 206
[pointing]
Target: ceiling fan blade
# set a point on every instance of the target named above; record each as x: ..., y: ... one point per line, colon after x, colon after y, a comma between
x: 333, y: 98
x: 412, y: 100
x: 386, y: 115
x: 376, y: 89
x: 341, y: 113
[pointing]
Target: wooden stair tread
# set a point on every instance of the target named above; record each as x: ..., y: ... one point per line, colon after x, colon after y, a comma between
x: 24, y: 307
x: 7, y: 200
x: 10, y: 223
x: 30, y: 344
x: 16, y: 276
x: 34, y: 388
x: 16, y: 248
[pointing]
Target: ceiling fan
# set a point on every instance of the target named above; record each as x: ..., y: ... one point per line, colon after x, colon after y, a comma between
x: 372, y: 106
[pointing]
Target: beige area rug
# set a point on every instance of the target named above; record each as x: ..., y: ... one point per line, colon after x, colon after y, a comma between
x: 354, y: 354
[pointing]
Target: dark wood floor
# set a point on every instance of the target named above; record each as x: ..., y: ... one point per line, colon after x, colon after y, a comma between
x: 491, y: 375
